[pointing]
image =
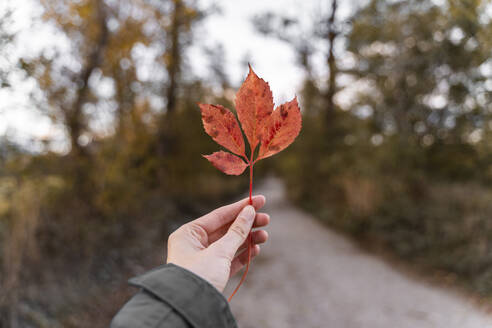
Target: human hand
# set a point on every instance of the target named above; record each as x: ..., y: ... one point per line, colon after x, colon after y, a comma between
x: 214, y: 246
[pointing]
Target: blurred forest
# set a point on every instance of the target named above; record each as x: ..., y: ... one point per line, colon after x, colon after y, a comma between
x: 396, y: 146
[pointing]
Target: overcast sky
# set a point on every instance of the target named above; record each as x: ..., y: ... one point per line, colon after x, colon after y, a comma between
x: 273, y: 60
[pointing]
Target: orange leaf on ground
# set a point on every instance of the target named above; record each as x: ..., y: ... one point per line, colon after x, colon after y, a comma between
x: 281, y: 129
x: 222, y: 126
x: 254, y: 104
x: 227, y: 162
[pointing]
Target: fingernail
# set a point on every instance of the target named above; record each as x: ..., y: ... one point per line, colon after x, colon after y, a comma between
x: 248, y: 213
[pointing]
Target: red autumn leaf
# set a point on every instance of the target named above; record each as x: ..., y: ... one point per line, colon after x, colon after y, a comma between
x: 273, y: 129
x: 227, y: 162
x: 254, y: 104
x: 281, y: 129
x: 222, y: 126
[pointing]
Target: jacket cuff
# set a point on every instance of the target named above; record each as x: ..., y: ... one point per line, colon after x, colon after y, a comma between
x: 200, y: 303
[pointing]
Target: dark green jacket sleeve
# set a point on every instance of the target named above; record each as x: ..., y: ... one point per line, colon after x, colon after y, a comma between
x: 173, y: 297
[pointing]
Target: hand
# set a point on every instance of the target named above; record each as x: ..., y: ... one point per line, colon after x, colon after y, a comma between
x: 214, y: 246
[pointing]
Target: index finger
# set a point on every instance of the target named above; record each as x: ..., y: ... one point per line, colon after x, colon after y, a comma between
x: 226, y: 214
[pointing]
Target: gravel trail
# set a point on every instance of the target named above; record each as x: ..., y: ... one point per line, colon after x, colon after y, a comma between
x: 307, y: 276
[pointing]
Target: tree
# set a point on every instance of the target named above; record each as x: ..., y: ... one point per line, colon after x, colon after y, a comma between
x: 66, y: 88
x: 420, y: 61
x: 106, y: 42
x: 6, y: 37
x: 183, y: 15
x: 306, y: 41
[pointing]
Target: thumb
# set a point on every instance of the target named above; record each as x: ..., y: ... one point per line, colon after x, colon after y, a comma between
x: 238, y: 232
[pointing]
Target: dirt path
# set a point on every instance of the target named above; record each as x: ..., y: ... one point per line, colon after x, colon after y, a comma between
x: 308, y: 276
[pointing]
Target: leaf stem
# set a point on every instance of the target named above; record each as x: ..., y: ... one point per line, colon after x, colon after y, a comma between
x: 251, y: 181
x: 250, y: 239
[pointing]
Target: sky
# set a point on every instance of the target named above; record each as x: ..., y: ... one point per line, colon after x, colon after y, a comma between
x: 272, y: 60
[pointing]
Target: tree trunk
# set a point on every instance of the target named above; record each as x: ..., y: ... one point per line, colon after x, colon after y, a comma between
x: 74, y: 116
x: 173, y: 66
x: 332, y: 34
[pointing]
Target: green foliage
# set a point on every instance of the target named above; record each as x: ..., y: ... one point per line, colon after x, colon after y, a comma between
x: 412, y: 172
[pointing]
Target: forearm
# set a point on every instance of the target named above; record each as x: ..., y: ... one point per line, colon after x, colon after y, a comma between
x: 171, y: 296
